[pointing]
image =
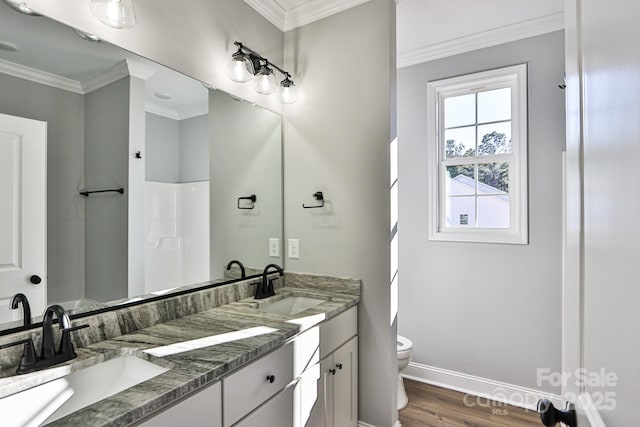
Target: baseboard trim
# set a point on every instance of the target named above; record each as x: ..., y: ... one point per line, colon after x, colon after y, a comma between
x: 479, y: 387
x: 363, y: 424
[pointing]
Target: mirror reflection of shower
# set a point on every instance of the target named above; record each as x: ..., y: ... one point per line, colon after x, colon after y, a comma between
x: 176, y: 193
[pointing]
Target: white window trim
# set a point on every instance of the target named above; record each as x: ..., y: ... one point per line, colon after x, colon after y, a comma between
x: 515, y: 77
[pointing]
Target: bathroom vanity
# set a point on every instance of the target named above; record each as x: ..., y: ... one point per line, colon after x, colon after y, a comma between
x: 235, y: 363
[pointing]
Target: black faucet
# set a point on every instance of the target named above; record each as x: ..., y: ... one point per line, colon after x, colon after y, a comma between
x: 243, y: 273
x: 26, y: 309
x: 30, y: 362
x: 265, y: 289
x: 48, y: 347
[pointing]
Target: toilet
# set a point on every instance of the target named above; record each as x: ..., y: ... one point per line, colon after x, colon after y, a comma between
x: 404, y: 355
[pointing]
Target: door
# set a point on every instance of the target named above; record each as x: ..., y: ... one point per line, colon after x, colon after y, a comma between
x: 22, y: 214
x: 601, y: 343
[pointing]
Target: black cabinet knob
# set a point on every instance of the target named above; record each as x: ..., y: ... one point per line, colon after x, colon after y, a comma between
x: 35, y: 279
x: 339, y: 366
x: 271, y: 378
x: 332, y: 371
x: 550, y: 416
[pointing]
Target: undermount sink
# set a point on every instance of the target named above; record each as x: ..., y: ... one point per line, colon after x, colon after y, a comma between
x: 289, y: 305
x: 56, y: 399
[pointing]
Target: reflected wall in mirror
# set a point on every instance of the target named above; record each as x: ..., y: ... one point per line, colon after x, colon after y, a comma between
x: 116, y: 120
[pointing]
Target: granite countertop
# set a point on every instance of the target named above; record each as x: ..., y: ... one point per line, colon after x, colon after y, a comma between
x: 190, y: 370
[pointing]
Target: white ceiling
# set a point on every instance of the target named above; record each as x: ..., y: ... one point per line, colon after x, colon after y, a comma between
x: 46, y: 45
x: 431, y: 29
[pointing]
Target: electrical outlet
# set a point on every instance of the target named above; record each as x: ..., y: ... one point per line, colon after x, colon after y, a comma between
x: 274, y: 247
x: 294, y: 248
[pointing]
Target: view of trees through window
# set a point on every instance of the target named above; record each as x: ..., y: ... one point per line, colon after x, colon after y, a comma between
x: 494, y: 174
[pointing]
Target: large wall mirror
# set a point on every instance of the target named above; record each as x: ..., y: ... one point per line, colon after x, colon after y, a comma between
x: 197, y: 174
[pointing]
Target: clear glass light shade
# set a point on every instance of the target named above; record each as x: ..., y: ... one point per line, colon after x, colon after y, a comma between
x: 239, y: 69
x: 265, y: 81
x: 288, y: 92
x: 114, y: 13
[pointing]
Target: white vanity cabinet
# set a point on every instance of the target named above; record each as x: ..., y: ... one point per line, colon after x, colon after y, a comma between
x: 202, y: 408
x: 311, y: 381
x: 327, y: 392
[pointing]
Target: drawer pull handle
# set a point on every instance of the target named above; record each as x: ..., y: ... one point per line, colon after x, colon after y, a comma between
x: 332, y: 371
x: 339, y: 366
x: 271, y: 378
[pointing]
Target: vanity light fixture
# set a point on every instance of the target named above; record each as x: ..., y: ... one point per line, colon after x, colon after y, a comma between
x: 114, y: 13
x: 21, y: 7
x: 247, y: 64
x: 265, y: 80
x: 87, y: 36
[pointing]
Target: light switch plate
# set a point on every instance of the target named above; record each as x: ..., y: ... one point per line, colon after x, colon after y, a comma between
x: 274, y: 247
x: 294, y: 248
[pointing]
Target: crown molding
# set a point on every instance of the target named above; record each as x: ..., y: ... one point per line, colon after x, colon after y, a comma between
x: 161, y: 110
x: 139, y: 70
x: 104, y: 78
x: 118, y: 71
x: 173, y: 114
x: 314, y: 10
x: 271, y: 10
x: 42, y: 77
x: 194, y: 112
x: 521, y: 30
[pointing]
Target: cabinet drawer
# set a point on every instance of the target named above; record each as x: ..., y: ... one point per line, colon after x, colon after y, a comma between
x: 337, y: 331
x: 247, y: 388
x: 277, y: 412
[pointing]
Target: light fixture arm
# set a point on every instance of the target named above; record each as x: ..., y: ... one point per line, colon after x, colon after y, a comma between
x: 256, y: 57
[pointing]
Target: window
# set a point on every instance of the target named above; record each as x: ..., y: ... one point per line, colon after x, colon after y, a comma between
x: 478, y: 157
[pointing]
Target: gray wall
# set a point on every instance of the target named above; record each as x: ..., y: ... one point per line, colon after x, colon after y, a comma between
x: 490, y: 310
x: 194, y: 149
x: 64, y: 113
x: 177, y: 150
x: 246, y: 159
x: 337, y: 141
x: 107, y: 166
x: 162, y: 149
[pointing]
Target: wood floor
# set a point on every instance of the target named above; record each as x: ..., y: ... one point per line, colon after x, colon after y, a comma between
x: 431, y: 406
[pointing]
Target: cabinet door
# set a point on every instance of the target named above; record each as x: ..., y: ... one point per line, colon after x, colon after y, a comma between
x: 311, y: 404
x: 345, y: 385
x: 203, y: 408
x: 277, y: 412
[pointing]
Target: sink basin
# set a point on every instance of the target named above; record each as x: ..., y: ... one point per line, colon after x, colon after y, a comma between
x: 56, y: 399
x: 290, y: 305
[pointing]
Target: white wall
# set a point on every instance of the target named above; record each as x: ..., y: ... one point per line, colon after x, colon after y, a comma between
x: 489, y: 310
x: 64, y: 113
x: 337, y: 141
